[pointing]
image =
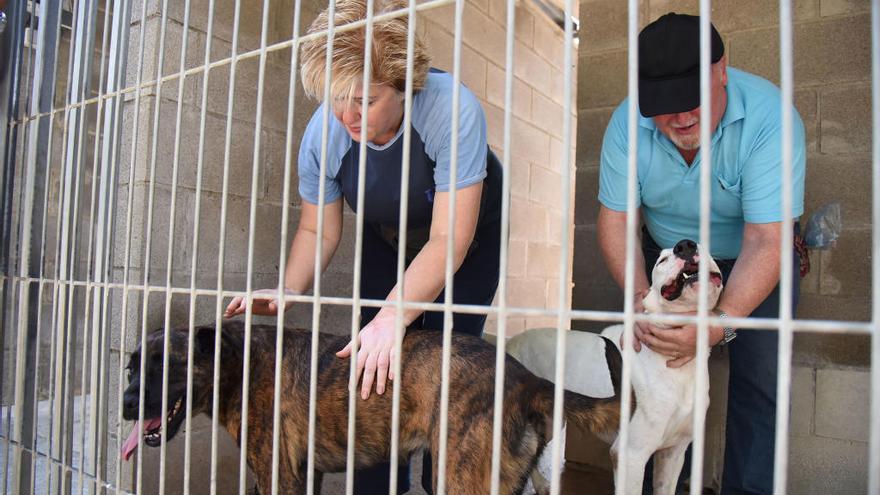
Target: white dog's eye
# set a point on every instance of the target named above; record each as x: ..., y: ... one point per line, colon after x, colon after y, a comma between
x: 663, y: 260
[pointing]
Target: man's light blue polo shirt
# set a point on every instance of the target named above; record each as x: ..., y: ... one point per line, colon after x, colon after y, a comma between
x: 746, y: 173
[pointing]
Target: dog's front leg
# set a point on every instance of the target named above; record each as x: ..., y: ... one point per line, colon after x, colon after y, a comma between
x: 636, y: 459
x: 667, y: 467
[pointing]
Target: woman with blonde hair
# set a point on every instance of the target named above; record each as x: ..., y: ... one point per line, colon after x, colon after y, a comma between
x: 477, y: 229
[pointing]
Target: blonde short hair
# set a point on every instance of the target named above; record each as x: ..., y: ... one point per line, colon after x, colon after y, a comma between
x: 388, y: 51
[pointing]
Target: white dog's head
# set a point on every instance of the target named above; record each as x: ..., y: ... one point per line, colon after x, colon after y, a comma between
x: 675, y: 287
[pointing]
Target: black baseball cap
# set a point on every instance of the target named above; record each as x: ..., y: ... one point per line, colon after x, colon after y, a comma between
x: 669, y: 64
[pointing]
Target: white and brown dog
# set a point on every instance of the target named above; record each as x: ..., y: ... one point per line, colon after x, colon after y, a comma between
x: 662, y: 422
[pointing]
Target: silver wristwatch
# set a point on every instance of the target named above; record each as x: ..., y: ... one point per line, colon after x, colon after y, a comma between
x: 729, y: 332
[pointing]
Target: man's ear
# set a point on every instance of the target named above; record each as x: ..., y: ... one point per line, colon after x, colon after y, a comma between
x: 722, y: 67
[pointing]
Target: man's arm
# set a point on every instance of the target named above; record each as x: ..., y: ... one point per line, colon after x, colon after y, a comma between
x: 611, y: 230
x: 756, y: 271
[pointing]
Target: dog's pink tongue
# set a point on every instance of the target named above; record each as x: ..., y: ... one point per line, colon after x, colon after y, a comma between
x: 131, y: 443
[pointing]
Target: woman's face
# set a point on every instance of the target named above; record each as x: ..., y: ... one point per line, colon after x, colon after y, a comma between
x: 384, y: 113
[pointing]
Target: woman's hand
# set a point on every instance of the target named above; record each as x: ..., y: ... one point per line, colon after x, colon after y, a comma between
x: 375, y: 354
x: 266, y: 306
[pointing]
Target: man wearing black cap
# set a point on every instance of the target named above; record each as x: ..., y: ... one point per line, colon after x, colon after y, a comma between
x: 746, y: 192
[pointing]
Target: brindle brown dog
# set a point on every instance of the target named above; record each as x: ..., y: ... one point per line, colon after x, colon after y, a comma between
x: 528, y: 405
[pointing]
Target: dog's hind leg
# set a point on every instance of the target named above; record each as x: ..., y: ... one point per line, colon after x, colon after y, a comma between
x: 667, y: 466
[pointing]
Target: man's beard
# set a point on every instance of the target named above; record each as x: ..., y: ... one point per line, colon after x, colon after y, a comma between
x: 689, y: 143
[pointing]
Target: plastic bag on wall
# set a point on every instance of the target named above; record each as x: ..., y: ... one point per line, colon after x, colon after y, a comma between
x: 823, y: 227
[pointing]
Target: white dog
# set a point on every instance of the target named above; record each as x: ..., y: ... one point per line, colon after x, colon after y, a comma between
x: 662, y: 422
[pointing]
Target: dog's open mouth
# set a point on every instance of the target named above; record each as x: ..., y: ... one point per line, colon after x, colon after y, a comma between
x: 689, y: 275
x: 152, y: 429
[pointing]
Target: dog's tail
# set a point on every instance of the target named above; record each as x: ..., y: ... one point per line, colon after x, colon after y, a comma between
x: 615, y: 364
x: 595, y: 414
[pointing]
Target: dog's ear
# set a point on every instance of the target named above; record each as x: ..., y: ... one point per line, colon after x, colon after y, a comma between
x: 204, y: 340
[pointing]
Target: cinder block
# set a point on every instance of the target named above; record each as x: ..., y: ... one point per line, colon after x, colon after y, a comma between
x: 832, y: 349
x: 555, y: 229
x: 515, y: 326
x: 553, y: 295
x: 530, y: 142
x: 440, y: 17
x: 546, y: 321
x: 604, y: 26
x: 517, y: 260
x: 549, y: 41
x: 343, y: 261
x: 829, y: 52
x: 810, y: 283
x: 806, y: 102
x: 843, y: 404
x: 241, y: 152
x: 547, y: 115
x: 843, y: 179
x: 823, y: 465
x: 557, y: 85
x: 483, y: 5
x: 483, y: 34
x: 195, y: 56
x: 521, y: 97
x: 441, y: 43
x: 589, y: 266
x: 527, y: 220
x: 543, y: 260
x: 587, y: 204
x: 532, y: 68
x: 250, y: 20
x: 127, y: 136
x: 520, y: 173
x: 803, y: 403
x: 840, y: 276
x: 275, y: 82
x: 737, y: 16
x: 524, y: 19
x: 276, y: 152
x: 545, y: 188
x: 602, y: 82
x: 281, y: 17
x: 266, y: 245
x: 591, y: 132
x: 557, y: 160
x: 473, y: 71
x: 526, y: 292
x: 494, y: 127
x: 842, y: 7
x: 846, y: 119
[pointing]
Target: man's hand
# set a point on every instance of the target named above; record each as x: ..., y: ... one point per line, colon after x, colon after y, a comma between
x: 680, y: 343
x: 640, y: 328
x: 375, y: 355
x: 261, y: 306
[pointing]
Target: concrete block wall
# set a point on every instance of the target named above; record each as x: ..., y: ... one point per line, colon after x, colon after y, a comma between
x: 832, y: 95
x: 537, y: 139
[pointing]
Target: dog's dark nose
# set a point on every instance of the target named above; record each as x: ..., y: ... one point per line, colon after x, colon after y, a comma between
x: 685, y: 249
x: 130, y: 401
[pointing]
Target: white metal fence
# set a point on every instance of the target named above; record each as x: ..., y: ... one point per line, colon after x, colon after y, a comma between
x: 69, y: 221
